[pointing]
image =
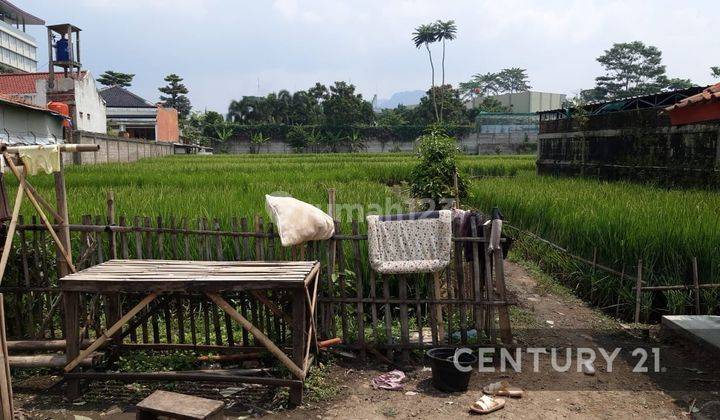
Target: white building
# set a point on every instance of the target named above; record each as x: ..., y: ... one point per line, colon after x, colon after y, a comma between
x: 18, y: 50
x: 87, y: 108
x: 530, y: 101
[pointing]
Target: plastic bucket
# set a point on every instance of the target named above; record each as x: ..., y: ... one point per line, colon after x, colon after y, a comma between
x: 445, y: 376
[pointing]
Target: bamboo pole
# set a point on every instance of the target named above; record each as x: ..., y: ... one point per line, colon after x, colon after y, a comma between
x: 11, y: 232
x: 262, y: 338
x: 106, y: 335
x: 638, y: 292
x: 696, y: 285
x: 6, y: 394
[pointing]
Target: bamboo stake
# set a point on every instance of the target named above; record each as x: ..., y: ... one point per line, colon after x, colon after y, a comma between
x: 11, y: 231
x: 696, y: 285
x: 638, y: 291
x: 6, y: 394
x: 42, y: 215
x: 107, y: 334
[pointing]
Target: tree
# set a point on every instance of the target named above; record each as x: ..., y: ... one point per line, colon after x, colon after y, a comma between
x: 175, y: 95
x: 480, y: 86
x: 456, y: 113
x: 513, y: 80
x: 344, y: 107
x: 631, y: 69
x: 676, y: 83
x: 444, y: 31
x: 426, y: 35
x: 115, y: 78
x: 715, y: 71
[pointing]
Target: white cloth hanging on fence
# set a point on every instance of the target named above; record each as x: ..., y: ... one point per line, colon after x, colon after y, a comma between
x: 415, y: 243
x: 297, y: 221
x: 44, y: 158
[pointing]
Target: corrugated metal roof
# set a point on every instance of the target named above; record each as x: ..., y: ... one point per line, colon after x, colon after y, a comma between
x: 14, y: 101
x: 711, y: 94
x: 20, y: 15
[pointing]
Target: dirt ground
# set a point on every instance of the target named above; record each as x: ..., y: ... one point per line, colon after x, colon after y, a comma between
x: 686, y: 386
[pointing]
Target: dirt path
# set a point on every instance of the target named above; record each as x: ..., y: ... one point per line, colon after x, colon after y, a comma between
x: 620, y: 394
x: 547, y: 316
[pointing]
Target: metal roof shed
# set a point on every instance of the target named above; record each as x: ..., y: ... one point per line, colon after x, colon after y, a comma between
x: 22, y: 123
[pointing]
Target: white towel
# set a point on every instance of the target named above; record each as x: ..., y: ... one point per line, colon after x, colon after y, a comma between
x: 410, y: 246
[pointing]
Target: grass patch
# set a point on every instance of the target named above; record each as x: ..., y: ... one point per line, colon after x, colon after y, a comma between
x: 318, y: 384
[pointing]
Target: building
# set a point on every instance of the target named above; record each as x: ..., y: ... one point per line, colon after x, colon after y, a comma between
x: 18, y: 50
x: 26, y: 124
x: 131, y: 114
x: 87, y: 108
x: 530, y: 102
x: 699, y: 108
x: 668, y: 137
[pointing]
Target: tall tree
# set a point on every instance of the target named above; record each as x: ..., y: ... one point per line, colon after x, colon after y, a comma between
x: 115, y: 78
x: 480, y: 86
x: 444, y: 31
x: 175, y: 95
x: 631, y: 68
x: 715, y: 71
x: 426, y: 35
x: 344, y: 108
x: 513, y: 80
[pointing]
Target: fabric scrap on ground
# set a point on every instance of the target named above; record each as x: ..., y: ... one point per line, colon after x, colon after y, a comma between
x: 391, y: 381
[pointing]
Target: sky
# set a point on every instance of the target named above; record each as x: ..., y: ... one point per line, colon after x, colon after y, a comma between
x: 225, y: 49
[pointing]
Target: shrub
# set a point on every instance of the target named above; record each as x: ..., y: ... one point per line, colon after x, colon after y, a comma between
x: 432, y: 178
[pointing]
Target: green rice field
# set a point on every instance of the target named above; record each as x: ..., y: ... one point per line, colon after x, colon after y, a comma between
x: 623, y: 221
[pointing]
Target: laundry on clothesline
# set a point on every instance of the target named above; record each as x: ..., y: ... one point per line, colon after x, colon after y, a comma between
x: 466, y: 219
x: 45, y: 158
x: 297, y: 221
x: 410, y: 243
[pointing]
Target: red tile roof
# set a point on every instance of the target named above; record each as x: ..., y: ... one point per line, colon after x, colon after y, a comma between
x: 710, y: 94
x: 22, y: 83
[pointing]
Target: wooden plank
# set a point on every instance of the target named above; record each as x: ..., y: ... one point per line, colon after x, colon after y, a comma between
x: 478, y: 309
x: 696, y: 287
x: 638, y: 292
x: 179, y: 405
x: 218, y: 242
x: 264, y: 340
x: 359, y: 288
x: 124, y: 250
x: 489, y: 290
x: 160, y: 239
x: 298, y: 340
x: 503, y: 313
x: 109, y: 333
x: 138, y: 239
x: 404, y: 327
x: 460, y: 276
x: 180, y: 310
x: 388, y: 315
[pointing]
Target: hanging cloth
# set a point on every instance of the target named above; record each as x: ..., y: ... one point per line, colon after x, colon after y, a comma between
x: 44, y: 158
x: 410, y: 243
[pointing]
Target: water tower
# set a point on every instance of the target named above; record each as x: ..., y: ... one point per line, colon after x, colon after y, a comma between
x: 63, y: 50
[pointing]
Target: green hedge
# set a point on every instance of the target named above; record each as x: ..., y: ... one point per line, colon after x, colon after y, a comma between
x: 405, y: 133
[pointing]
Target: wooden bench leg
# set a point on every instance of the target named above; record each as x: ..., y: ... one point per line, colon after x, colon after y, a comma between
x: 145, y: 415
x: 71, y: 301
x: 298, y: 340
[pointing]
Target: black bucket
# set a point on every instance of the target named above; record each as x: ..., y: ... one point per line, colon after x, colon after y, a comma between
x: 445, y: 376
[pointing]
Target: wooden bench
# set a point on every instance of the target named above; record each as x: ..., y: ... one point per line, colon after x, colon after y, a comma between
x: 178, y: 406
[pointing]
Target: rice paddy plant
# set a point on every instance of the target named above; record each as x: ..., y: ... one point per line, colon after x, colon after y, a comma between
x: 625, y: 222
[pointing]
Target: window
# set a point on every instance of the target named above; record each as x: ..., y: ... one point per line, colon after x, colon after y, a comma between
x: 88, y: 117
x: 81, y: 115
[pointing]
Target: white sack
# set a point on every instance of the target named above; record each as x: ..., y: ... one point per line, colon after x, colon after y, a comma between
x: 298, y: 222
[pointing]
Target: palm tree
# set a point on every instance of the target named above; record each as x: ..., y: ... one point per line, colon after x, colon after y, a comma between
x: 444, y: 31
x: 425, y: 35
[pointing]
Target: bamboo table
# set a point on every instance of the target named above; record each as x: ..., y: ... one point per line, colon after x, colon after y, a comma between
x: 154, y: 277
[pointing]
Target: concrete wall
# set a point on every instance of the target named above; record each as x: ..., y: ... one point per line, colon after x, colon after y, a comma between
x: 483, y: 144
x: 531, y: 101
x: 115, y: 149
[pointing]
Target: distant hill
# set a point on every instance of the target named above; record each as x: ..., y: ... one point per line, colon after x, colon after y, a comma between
x: 408, y: 97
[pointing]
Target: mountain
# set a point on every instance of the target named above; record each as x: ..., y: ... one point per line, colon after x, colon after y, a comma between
x: 408, y: 97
